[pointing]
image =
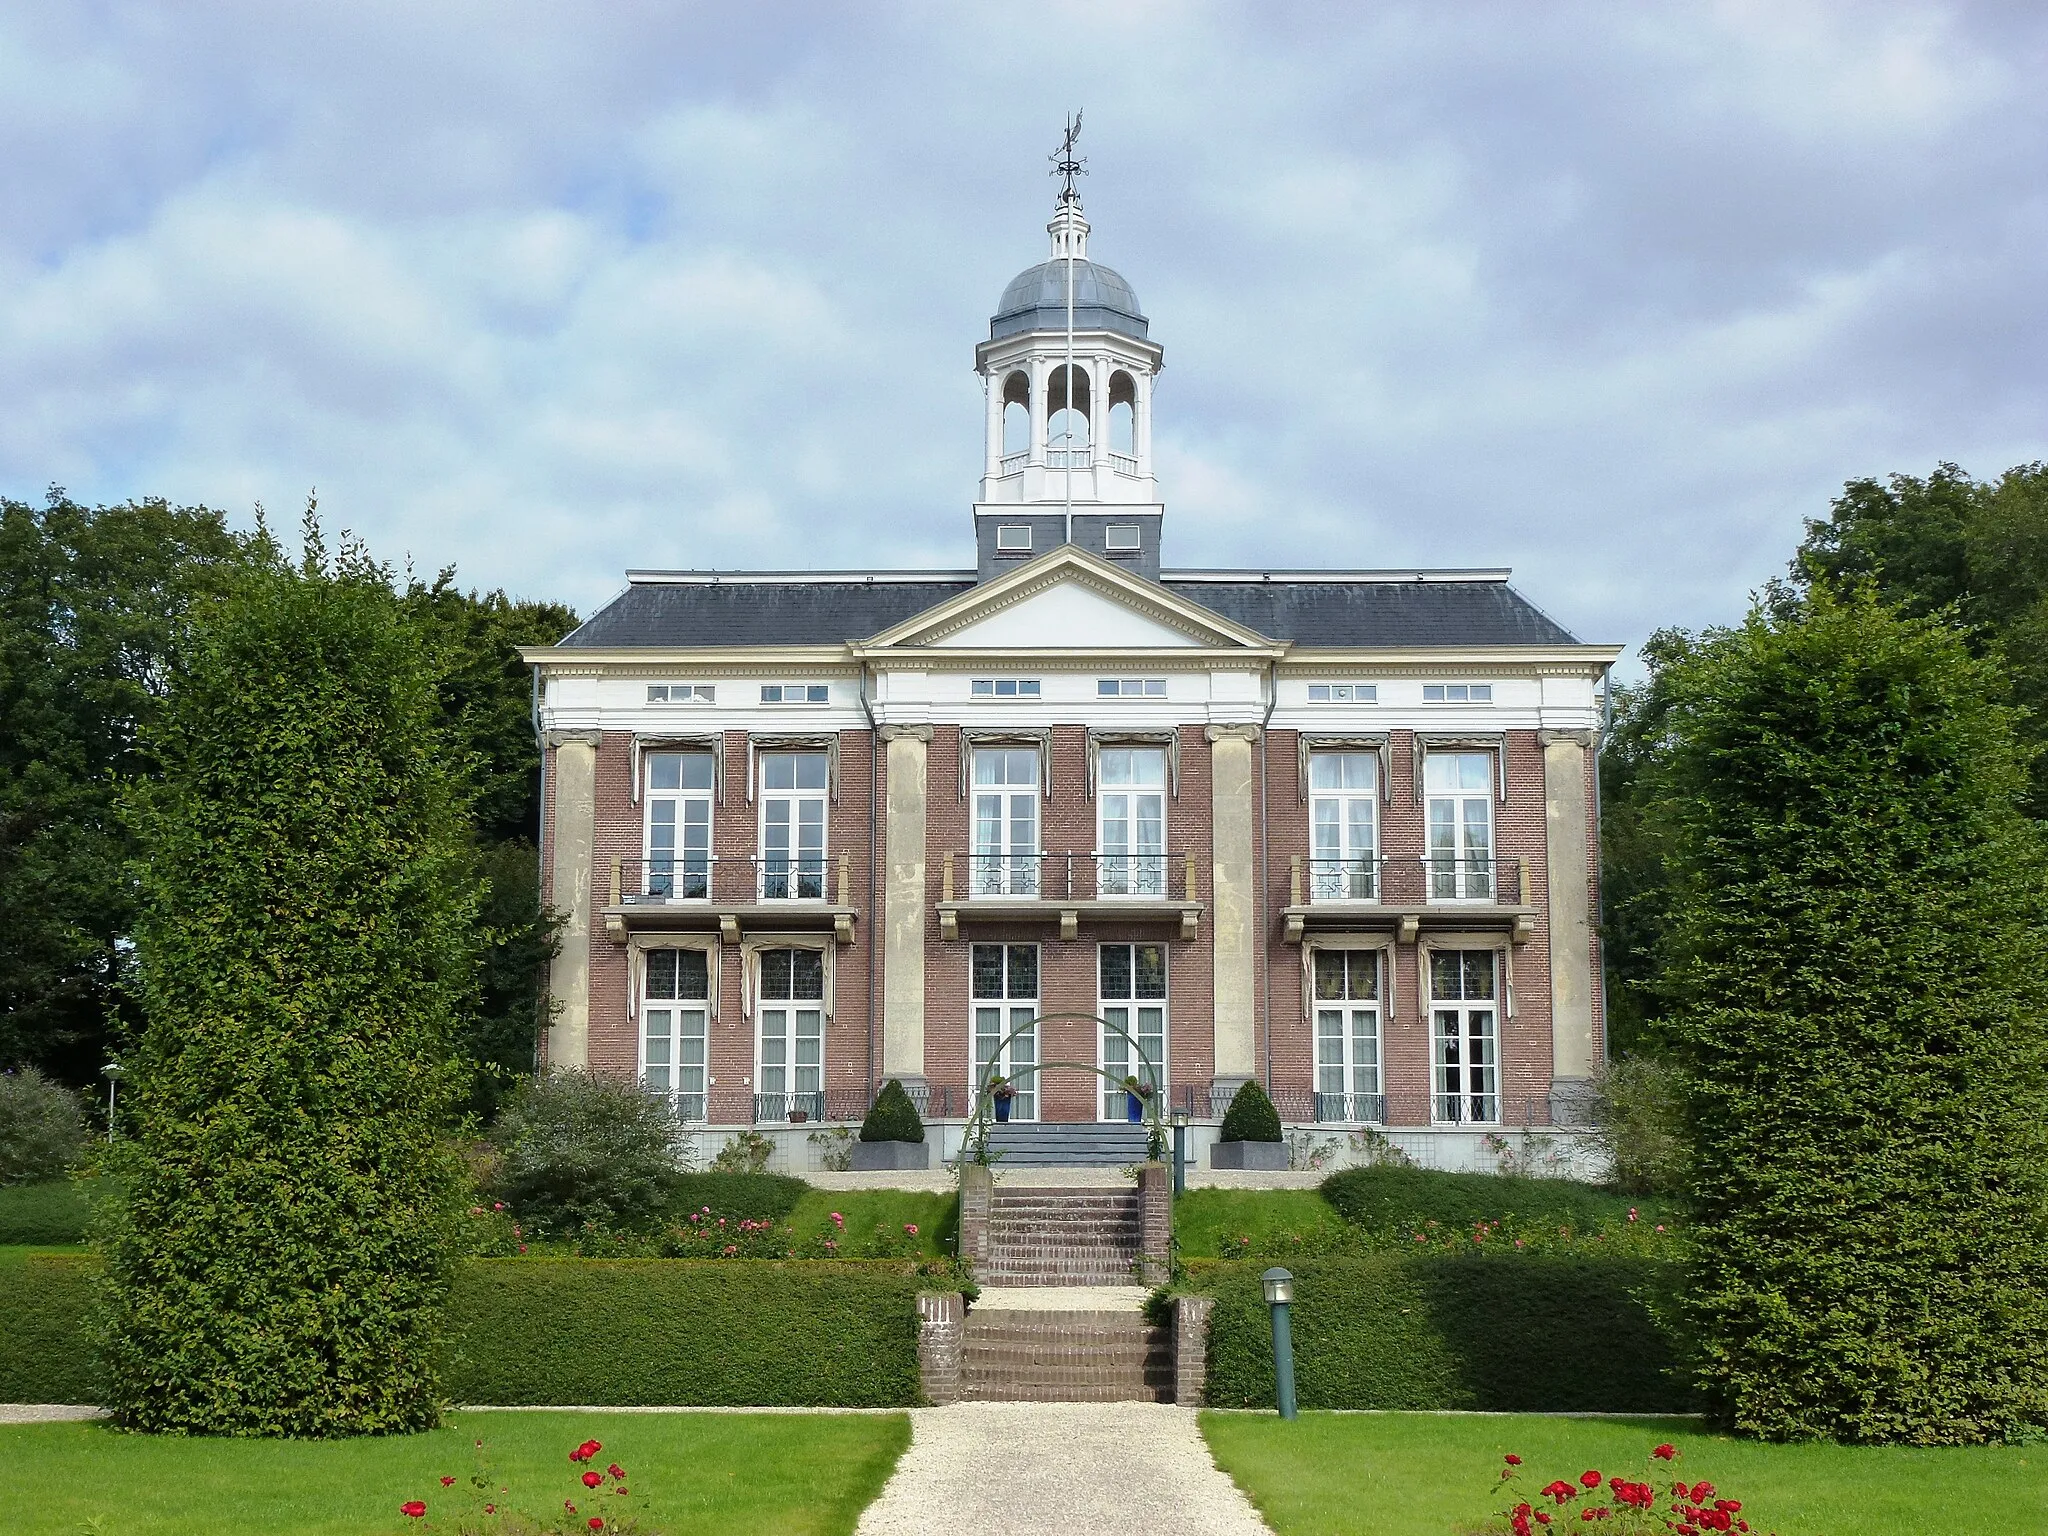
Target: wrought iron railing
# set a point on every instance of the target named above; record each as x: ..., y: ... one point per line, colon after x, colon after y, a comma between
x: 1162, y: 875
x: 1350, y: 1108
x: 685, y: 877
x: 1411, y: 880
x: 770, y: 1108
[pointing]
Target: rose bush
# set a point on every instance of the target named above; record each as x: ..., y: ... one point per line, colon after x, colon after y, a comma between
x: 486, y: 1507
x: 1617, y: 1505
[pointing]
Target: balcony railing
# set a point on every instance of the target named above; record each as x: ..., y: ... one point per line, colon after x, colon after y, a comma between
x: 727, y: 878
x: 1124, y: 463
x: 1409, y: 880
x: 1069, y: 458
x: 1166, y: 875
x: 1350, y: 1108
x: 1013, y: 463
x: 773, y: 1108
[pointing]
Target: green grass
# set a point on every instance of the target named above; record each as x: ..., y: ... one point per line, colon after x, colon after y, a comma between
x: 1204, y: 1219
x: 730, y: 1474
x: 14, y: 1253
x: 1430, y: 1474
x: 936, y: 1217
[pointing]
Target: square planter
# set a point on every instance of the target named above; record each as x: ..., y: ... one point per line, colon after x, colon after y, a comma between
x: 877, y: 1156
x: 1264, y: 1156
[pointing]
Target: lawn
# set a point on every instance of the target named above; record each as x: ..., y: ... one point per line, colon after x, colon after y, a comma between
x: 690, y: 1472
x: 1404, y: 1474
x: 935, y: 1216
x: 1205, y: 1219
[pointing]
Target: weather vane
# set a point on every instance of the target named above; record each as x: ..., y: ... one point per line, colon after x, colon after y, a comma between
x: 1065, y: 165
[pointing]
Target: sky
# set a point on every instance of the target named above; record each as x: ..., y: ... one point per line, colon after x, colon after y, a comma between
x: 1613, y: 295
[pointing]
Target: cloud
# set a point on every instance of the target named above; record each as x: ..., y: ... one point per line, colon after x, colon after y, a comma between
x: 1615, y: 298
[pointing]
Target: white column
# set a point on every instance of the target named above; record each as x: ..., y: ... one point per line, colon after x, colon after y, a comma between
x: 993, y: 383
x: 1142, y: 429
x: 1098, y: 412
x: 1038, y: 391
x: 1574, y: 1039
x: 1233, y: 876
x: 904, y: 904
x: 573, y: 811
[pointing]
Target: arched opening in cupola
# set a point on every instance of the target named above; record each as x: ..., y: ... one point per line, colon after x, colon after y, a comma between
x: 1067, y: 439
x: 1123, y: 414
x: 1016, y: 414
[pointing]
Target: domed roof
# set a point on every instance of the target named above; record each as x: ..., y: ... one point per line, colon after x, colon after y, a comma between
x: 1036, y: 300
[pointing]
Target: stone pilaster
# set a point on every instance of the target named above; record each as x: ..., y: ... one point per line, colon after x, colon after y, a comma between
x: 904, y: 904
x: 572, y: 799
x: 1233, y: 887
x: 941, y: 1341
x: 977, y: 1197
x: 1155, y: 1223
x: 1574, y: 1040
x: 1191, y: 1349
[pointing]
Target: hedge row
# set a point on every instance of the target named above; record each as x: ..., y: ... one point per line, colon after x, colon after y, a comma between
x: 616, y: 1332
x: 43, y: 1214
x: 1391, y: 1197
x: 1508, y: 1332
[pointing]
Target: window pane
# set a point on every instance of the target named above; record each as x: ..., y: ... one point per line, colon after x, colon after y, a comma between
x: 1443, y: 974
x: 664, y: 771
x: 1115, y: 967
x: 807, y: 973
x: 988, y: 970
x: 1361, y: 770
x: 696, y: 770
x: 812, y: 770
x: 1106, y: 688
x: 984, y: 688
x: 1478, y: 969
x: 778, y: 771
x: 693, y: 973
x: 1475, y: 770
x: 661, y: 973
x: 1023, y: 970
x: 775, y: 973
x: 1326, y: 770
x: 1151, y: 970
x: 1329, y: 974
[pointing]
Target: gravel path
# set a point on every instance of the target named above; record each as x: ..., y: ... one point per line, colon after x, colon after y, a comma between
x: 1061, y: 1298
x: 1078, y: 1469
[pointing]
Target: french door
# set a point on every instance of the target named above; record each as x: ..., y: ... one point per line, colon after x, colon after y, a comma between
x: 790, y: 1065
x: 1132, y: 827
x: 1131, y: 982
x: 1460, y: 789
x: 1347, y: 1008
x: 1344, y: 807
x: 1465, y: 1035
x: 1005, y: 986
x: 674, y: 1005
x: 1005, y: 859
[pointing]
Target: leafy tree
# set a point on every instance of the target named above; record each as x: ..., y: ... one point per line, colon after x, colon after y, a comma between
x: 305, y: 953
x: 1857, y: 960
x: 42, y: 1130
x: 92, y: 603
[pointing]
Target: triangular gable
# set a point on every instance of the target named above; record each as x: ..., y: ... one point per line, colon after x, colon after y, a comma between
x: 1069, y: 599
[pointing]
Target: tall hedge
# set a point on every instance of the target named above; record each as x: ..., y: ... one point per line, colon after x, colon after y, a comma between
x: 1859, y: 956
x: 305, y: 951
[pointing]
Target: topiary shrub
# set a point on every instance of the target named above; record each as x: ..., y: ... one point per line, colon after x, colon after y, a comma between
x: 1251, y: 1117
x: 892, y: 1117
x: 42, y: 1131
x: 584, y: 1147
x: 305, y: 946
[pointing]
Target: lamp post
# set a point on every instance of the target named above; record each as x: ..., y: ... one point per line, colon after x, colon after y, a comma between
x: 1279, y: 1292
x: 113, y: 1073
x: 1180, y: 1152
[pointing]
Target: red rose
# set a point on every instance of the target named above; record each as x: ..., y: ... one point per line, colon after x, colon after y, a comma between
x: 447, y: 1482
x: 596, y: 1524
x: 592, y: 1479
x: 1589, y: 1479
x: 1665, y: 1452
x: 413, y: 1508
x: 1512, y: 1459
x: 1541, y: 1518
x: 616, y: 1470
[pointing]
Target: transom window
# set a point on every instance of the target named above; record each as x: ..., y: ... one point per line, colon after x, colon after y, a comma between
x: 791, y: 1067
x: 682, y: 693
x: 1005, y: 858
x: 1465, y: 1031
x: 1006, y: 688
x: 1457, y: 693
x: 1005, y: 982
x: 1460, y: 790
x: 1347, y: 1006
x: 1343, y: 808
x: 676, y: 986
x: 1130, y: 688
x: 1131, y: 822
x: 1343, y: 693
x: 1131, y: 981
x: 679, y: 792
x: 1122, y: 537
x: 794, y: 788
x: 796, y: 693
x: 1013, y: 536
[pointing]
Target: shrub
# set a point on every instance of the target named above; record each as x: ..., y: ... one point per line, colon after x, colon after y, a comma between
x: 1501, y: 1332
x: 1389, y: 1198
x: 42, y: 1131
x: 1251, y: 1116
x: 735, y: 1196
x: 46, y: 1352
x: 305, y: 949
x: 1858, y: 962
x: 43, y: 1214
x: 744, y: 1152
x: 892, y: 1117
x: 580, y: 1147
x: 1640, y: 1123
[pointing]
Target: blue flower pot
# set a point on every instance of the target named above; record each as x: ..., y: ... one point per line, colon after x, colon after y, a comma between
x: 1002, y: 1109
x: 1134, y: 1107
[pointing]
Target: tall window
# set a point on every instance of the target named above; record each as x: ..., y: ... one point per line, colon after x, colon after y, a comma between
x: 791, y: 1010
x: 1347, y: 986
x: 1132, y: 985
x: 1466, y: 1034
x: 1131, y: 800
x: 793, y: 793
x: 1005, y: 858
x: 1343, y: 809
x: 1460, y: 789
x: 673, y: 1007
x: 679, y: 789
x: 1005, y: 978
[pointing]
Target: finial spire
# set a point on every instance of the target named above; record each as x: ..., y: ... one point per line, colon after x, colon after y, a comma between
x: 1066, y: 166
x: 1069, y: 230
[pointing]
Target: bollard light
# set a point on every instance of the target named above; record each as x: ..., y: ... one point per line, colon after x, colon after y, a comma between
x: 1180, y: 1151
x: 1279, y: 1293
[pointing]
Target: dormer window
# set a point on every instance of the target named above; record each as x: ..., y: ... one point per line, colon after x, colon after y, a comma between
x: 1014, y: 538
x: 682, y: 693
x: 1343, y: 693
x: 1457, y: 693
x: 1122, y: 538
x: 796, y: 693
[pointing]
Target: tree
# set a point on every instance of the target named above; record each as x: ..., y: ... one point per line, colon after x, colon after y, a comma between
x: 305, y: 955
x: 1857, y: 963
x: 92, y: 602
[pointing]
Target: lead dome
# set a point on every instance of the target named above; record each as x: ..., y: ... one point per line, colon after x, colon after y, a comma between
x: 1036, y: 300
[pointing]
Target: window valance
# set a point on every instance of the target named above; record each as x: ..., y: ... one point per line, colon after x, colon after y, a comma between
x: 1168, y: 739
x: 1495, y: 742
x: 750, y: 964
x: 684, y: 741
x: 1373, y: 742
x: 1384, y: 942
x: 1039, y: 738
x: 637, y: 946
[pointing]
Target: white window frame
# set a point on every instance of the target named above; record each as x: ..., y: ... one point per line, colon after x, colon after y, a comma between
x: 688, y: 876
x: 685, y: 1023
x: 805, y: 877
x: 682, y: 693
x: 990, y: 1019
x: 1458, y: 829
x: 1350, y: 1063
x: 801, y: 695
x: 1128, y: 864
x: 1344, y: 866
x: 1006, y: 688
x: 1013, y: 538
x: 1005, y: 821
x: 1457, y: 693
x: 1114, y: 1052
x: 1343, y: 693
x: 1123, y: 538
x: 1464, y: 1037
x: 784, y: 1074
x: 1130, y: 687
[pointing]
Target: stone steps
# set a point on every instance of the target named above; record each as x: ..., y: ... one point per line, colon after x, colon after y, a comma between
x: 1065, y: 1357
x: 1062, y: 1237
x: 1068, y: 1145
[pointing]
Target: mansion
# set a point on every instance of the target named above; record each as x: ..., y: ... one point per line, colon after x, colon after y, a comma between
x: 1075, y: 814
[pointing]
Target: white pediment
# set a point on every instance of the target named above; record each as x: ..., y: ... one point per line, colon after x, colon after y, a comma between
x: 1067, y: 615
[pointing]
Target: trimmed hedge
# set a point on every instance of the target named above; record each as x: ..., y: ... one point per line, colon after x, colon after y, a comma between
x: 1384, y: 1197
x: 892, y: 1117
x: 615, y: 1332
x: 1511, y: 1333
x: 736, y: 1196
x: 1250, y: 1117
x: 43, y: 1214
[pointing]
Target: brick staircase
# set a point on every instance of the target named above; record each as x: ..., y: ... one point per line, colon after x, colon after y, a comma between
x: 1065, y: 1357
x: 1062, y: 1237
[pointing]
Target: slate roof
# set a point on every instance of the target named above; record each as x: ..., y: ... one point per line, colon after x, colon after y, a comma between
x: 1321, y: 612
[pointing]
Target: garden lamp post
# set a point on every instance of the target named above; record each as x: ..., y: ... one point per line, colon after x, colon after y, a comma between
x: 1279, y: 1293
x: 112, y: 1073
x: 1180, y: 1151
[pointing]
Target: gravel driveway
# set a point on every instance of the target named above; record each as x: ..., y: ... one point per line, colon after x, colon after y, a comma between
x: 1077, y: 1469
